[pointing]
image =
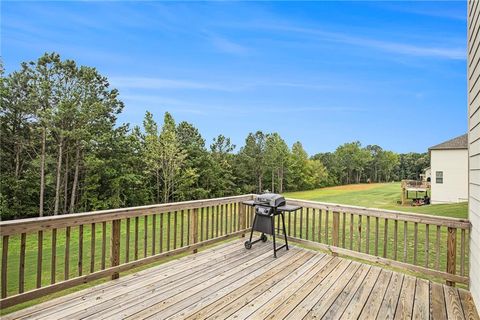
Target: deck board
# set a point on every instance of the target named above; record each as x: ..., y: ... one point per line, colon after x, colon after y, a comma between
x: 229, y: 281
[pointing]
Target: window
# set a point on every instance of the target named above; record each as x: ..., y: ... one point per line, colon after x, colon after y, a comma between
x: 439, y: 176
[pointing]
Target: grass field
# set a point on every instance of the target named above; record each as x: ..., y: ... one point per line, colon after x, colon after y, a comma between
x: 368, y: 195
x: 378, y: 195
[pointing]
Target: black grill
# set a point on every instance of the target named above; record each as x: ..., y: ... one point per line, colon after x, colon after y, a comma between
x: 267, y: 206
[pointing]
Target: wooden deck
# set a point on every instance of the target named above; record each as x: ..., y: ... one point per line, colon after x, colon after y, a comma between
x: 229, y: 281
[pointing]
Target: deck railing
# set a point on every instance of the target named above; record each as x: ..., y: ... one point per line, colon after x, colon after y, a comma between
x: 432, y: 245
x: 45, y: 255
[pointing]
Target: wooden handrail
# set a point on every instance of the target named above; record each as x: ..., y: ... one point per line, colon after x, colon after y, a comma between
x: 416, y: 233
x: 19, y: 226
x: 384, y: 213
x: 164, y: 229
x: 179, y: 228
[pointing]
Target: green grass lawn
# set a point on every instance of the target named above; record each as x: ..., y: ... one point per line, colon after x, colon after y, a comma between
x: 378, y: 195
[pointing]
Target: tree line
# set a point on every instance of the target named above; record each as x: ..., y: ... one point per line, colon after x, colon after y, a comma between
x: 62, y: 151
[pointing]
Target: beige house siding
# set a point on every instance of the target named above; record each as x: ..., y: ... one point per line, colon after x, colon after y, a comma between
x: 453, y: 164
x: 473, y: 75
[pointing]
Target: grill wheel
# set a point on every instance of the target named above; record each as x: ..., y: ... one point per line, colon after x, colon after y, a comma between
x: 264, y: 237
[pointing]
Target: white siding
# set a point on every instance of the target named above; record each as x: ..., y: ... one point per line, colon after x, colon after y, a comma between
x: 473, y: 74
x: 454, y: 165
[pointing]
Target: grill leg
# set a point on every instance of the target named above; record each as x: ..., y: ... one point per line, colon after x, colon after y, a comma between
x: 251, y: 232
x: 273, y: 234
x: 284, y: 230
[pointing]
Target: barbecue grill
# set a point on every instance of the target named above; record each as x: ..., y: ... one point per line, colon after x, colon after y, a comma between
x: 267, y: 206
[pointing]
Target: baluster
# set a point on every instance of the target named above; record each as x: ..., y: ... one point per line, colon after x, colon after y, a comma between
x: 344, y: 228
x: 154, y: 233
x: 395, y: 239
x: 175, y: 230
x: 115, y: 245
x: 385, y: 239
x: 427, y: 244
x: 232, y: 217
x: 225, y: 210
x: 145, y: 236
x: 201, y: 224
x: 405, y: 228
x: 104, y: 241
x: 351, y: 231
x: 359, y: 246
x: 21, y: 265
x: 236, y: 217
x: 92, y: 248
x: 4, y: 265
x: 160, y: 244
x: 367, y: 247
x: 319, y: 225
x: 335, y: 231
x: 182, y: 231
x: 242, y: 217
x: 39, y: 258
x: 135, y: 240
x: 207, y: 224
x: 295, y: 224
x: 462, y: 252
x: 289, y: 218
x: 451, y: 253
x: 216, y: 221
x: 53, y: 267
x: 169, y: 218
x: 188, y: 225
x: 307, y: 218
x: 313, y: 224
x: 193, y: 230
x: 127, y: 241
x: 225, y: 218
x: 326, y: 226
x: 212, y: 210
x: 67, y: 253
x: 220, y: 208
x: 437, y: 250
x: 80, y: 249
x: 376, y: 236
x: 415, y: 242
x: 301, y: 223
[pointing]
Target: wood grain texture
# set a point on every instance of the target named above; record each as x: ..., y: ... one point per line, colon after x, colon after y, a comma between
x: 229, y: 281
x: 4, y: 265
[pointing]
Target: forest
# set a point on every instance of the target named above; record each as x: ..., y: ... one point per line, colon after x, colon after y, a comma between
x: 63, y: 151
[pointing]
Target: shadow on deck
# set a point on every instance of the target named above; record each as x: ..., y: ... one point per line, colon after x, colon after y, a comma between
x: 229, y: 281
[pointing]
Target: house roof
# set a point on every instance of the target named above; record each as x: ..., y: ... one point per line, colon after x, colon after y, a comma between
x: 460, y: 142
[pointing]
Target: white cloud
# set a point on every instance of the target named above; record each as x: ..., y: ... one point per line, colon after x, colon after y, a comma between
x: 228, y: 46
x: 445, y: 52
x: 163, y: 83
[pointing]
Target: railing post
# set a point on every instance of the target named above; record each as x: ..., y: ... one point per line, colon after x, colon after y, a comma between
x: 242, y: 217
x: 115, y: 246
x: 451, y: 253
x: 194, y: 228
x: 336, y: 229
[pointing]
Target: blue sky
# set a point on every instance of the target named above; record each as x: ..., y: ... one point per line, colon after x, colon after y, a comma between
x: 323, y: 73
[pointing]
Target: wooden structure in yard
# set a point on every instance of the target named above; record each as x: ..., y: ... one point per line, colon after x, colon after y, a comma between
x: 414, y: 186
x: 230, y: 280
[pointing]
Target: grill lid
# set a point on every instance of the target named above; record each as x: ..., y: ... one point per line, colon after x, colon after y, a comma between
x: 270, y: 199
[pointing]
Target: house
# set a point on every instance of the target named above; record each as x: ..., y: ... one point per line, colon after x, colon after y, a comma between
x: 473, y: 116
x: 449, y: 170
x: 426, y: 175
